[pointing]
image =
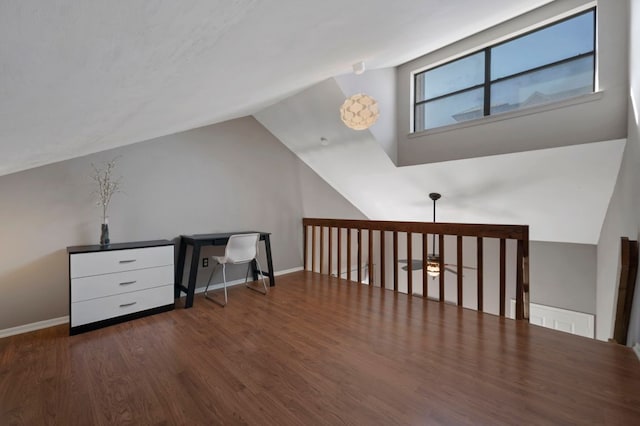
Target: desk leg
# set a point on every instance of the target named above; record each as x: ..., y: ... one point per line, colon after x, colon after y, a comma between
x: 254, y: 269
x: 193, y: 273
x: 267, y: 246
x: 179, y: 268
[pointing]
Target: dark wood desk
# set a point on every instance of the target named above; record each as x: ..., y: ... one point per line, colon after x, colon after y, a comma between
x: 199, y: 240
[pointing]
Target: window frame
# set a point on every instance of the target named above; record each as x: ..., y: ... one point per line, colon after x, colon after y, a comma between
x: 488, y: 82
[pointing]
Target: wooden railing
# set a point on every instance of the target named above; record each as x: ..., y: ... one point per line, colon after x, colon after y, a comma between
x: 321, y: 235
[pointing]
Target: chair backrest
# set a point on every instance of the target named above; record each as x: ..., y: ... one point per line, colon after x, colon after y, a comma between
x: 242, y: 248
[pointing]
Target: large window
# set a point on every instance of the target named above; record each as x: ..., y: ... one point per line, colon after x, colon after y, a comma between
x: 549, y: 64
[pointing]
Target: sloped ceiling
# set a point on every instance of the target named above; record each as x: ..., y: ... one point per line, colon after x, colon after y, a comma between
x: 84, y: 76
x: 561, y: 193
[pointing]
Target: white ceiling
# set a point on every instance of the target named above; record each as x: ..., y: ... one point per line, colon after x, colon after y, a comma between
x: 83, y: 76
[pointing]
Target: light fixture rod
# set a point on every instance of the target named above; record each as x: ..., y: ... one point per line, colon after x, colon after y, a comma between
x: 435, y: 197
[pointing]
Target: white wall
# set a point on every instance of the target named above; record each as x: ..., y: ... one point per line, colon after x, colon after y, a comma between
x: 622, y: 217
x: 230, y: 176
x: 634, y: 135
x: 569, y: 123
x: 381, y: 85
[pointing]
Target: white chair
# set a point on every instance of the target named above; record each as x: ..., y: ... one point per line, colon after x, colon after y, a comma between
x: 241, y: 248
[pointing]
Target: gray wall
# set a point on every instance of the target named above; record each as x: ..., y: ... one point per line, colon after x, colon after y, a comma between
x: 623, y: 218
x: 230, y: 176
x: 563, y: 275
x: 596, y: 117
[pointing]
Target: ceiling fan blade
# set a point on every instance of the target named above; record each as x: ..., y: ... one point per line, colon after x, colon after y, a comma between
x: 464, y: 267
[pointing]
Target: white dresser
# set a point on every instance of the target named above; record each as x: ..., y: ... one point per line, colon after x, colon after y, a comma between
x: 118, y: 283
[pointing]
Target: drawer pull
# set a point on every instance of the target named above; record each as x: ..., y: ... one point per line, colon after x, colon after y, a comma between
x: 124, y: 305
x: 128, y: 261
x: 128, y: 283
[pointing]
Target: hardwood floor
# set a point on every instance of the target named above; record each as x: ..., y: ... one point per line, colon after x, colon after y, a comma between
x: 316, y: 350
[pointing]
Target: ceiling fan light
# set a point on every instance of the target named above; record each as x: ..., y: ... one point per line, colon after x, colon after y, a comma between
x: 433, y: 268
x: 359, y: 112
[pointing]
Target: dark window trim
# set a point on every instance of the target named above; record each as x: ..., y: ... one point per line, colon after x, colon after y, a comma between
x: 446, y: 95
x: 541, y: 67
x: 487, y: 67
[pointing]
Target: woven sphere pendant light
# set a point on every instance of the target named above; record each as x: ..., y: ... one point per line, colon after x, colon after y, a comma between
x: 359, y: 112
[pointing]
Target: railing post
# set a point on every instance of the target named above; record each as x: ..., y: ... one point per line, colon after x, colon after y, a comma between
x: 330, y: 250
x: 382, y: 260
x: 339, y: 252
x: 409, y: 264
x: 503, y: 275
x: 313, y: 248
x: 425, y: 276
x: 321, y: 248
x: 371, y: 280
x: 349, y: 254
x: 395, y: 260
x: 359, y: 255
x: 522, y: 280
x: 480, y: 275
x: 304, y: 246
x: 442, y: 271
x: 525, y: 274
x: 519, y: 279
x: 460, y: 272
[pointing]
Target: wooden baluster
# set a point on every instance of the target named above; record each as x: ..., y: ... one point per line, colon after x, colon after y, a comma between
x: 371, y: 280
x: 503, y: 274
x: 359, y: 255
x: 305, y: 253
x: 480, y: 275
x: 349, y: 254
x: 339, y: 252
x: 460, y: 272
x: 395, y: 260
x: 409, y: 264
x: 321, y: 248
x: 519, y: 279
x: 382, y: 266
x: 313, y: 248
x: 525, y: 274
x: 425, y: 276
x: 442, y: 271
x: 330, y: 250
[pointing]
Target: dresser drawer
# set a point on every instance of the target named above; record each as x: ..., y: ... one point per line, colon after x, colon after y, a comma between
x: 88, y: 264
x: 95, y: 286
x: 93, y: 310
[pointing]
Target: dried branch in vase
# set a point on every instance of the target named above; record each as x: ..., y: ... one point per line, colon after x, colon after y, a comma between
x: 107, y: 185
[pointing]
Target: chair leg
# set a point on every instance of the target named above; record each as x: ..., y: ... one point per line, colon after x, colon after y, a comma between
x: 224, y: 279
x: 264, y: 283
x: 210, y: 277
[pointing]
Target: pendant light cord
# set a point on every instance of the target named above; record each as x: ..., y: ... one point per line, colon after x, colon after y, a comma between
x: 433, y: 245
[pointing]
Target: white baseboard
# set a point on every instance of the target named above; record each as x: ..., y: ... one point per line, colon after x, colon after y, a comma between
x: 636, y: 349
x: 33, y: 326
x: 559, y: 319
x: 26, y: 328
x: 241, y: 280
x: 288, y: 271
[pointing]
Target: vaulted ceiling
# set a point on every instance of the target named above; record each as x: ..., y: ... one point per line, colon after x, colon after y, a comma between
x: 561, y: 193
x: 85, y: 76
